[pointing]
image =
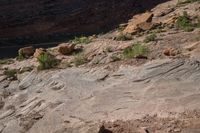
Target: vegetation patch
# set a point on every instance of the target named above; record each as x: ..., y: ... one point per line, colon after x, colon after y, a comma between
x: 183, y: 22
x: 180, y: 2
x: 47, y: 61
x: 150, y: 38
x: 21, y: 56
x: 6, y: 61
x: 80, y: 59
x: 122, y: 37
x: 11, y: 73
x: 137, y: 50
x: 81, y: 39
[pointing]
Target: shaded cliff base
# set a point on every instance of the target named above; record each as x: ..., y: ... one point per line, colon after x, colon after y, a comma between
x: 96, y: 17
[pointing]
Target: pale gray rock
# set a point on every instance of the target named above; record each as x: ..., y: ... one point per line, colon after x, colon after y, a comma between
x: 73, y: 100
x: 27, y: 81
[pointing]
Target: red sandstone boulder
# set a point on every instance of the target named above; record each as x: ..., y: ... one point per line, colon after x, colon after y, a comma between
x: 26, y: 51
x: 139, y: 22
x: 66, y: 48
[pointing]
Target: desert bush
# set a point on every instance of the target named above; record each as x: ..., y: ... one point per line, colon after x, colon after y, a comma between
x: 20, y: 56
x: 47, y: 61
x: 6, y: 61
x: 136, y: 50
x: 11, y: 73
x: 122, y: 37
x: 183, y: 22
x: 180, y: 2
x: 81, y: 39
x: 149, y: 38
x: 80, y: 59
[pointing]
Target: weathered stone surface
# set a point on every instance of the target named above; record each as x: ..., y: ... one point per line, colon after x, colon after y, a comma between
x: 2, y: 103
x: 86, y: 95
x: 192, y: 46
x: 139, y: 22
x: 66, y: 48
x: 27, y: 81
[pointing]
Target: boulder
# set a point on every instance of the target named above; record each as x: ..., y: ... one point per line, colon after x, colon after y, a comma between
x: 170, y: 52
x: 139, y: 22
x: 26, y: 51
x: 38, y: 52
x: 66, y: 48
x: 170, y: 20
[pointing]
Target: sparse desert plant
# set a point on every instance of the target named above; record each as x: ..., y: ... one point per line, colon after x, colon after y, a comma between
x: 183, y: 22
x: 149, y: 38
x: 198, y: 23
x: 11, y: 73
x: 122, y: 37
x: 81, y: 39
x: 20, y: 56
x: 80, y: 59
x: 109, y: 49
x: 180, y: 2
x: 115, y: 58
x: 6, y: 61
x: 135, y: 51
x: 121, y: 27
x: 47, y: 61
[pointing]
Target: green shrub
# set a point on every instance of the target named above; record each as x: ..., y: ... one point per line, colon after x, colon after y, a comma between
x: 11, y: 73
x: 47, y: 61
x: 20, y: 56
x: 80, y: 59
x: 6, y: 61
x: 115, y: 58
x: 187, y: 1
x: 149, y: 38
x: 136, y: 50
x: 183, y: 22
x: 82, y: 39
x: 122, y: 37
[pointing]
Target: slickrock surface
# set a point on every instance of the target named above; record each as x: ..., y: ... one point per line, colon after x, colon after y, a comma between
x: 76, y: 99
x: 156, y: 94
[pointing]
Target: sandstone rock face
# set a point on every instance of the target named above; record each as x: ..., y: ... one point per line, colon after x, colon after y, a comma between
x: 66, y: 48
x: 139, y: 22
x: 38, y: 52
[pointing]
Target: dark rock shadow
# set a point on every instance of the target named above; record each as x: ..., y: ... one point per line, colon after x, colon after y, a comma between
x: 59, y: 20
x: 104, y: 130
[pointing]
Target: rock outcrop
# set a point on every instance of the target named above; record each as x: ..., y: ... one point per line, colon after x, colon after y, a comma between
x: 138, y: 23
x: 26, y: 51
x: 66, y: 48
